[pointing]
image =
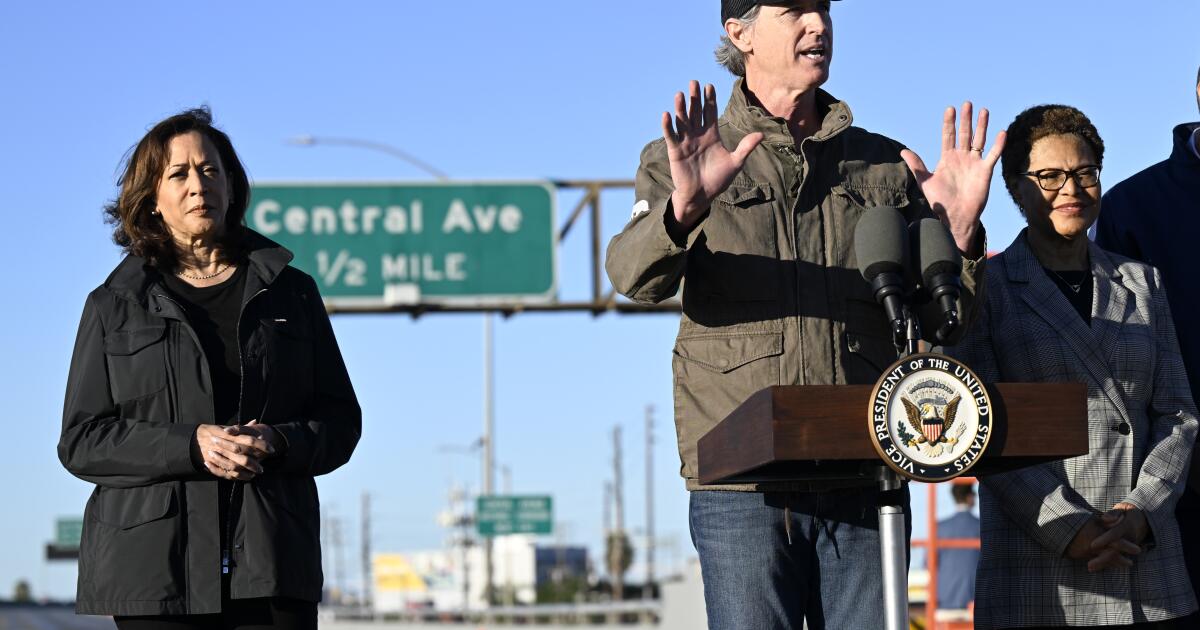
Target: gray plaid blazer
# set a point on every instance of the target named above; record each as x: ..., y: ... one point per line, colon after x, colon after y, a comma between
x: 1129, y: 359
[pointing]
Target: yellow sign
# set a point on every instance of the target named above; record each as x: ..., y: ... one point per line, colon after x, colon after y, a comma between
x: 393, y: 573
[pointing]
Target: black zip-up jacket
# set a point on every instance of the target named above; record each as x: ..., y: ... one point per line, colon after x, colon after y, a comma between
x: 138, y: 386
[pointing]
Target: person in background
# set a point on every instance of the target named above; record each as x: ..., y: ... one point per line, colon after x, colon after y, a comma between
x: 956, y: 567
x: 205, y: 391
x: 1091, y: 540
x: 1154, y: 217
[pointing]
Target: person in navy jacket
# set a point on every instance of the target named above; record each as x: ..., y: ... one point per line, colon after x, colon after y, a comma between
x: 956, y: 567
x: 1154, y: 216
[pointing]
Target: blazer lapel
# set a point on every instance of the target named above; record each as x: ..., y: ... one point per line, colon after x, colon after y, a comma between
x: 1112, y: 304
x: 1091, y: 345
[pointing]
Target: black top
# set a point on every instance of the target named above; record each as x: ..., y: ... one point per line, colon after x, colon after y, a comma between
x: 1077, y: 287
x: 213, y: 313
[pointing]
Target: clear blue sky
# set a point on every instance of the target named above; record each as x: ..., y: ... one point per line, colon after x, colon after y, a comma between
x: 482, y: 90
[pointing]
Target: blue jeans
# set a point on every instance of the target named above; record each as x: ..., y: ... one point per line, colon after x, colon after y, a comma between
x: 829, y: 574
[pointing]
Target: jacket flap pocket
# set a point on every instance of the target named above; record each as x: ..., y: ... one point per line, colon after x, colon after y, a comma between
x: 129, y: 507
x: 872, y: 196
x: 126, y: 342
x: 727, y: 352
x: 746, y: 193
x: 285, y: 327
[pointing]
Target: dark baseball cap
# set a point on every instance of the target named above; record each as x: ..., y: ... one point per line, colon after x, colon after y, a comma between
x: 738, y: 8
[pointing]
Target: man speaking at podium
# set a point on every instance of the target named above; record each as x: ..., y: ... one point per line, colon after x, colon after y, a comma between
x: 754, y: 213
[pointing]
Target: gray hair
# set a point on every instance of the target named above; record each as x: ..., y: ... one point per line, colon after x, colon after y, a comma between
x: 729, y: 55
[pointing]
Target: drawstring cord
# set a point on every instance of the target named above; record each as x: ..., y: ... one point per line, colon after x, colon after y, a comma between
x: 787, y: 517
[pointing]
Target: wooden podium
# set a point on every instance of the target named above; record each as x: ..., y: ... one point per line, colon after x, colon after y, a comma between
x: 814, y: 432
x: 821, y: 432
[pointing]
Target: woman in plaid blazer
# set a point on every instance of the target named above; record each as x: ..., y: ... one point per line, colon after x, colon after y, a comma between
x: 1090, y: 541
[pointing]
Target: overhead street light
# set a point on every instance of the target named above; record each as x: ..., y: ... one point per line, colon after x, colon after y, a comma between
x: 307, y: 140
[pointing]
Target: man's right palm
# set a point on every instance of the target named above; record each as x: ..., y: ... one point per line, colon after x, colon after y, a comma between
x: 701, y: 166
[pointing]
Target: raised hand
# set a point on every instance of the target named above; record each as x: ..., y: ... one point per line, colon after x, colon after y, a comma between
x: 958, y: 190
x: 701, y: 167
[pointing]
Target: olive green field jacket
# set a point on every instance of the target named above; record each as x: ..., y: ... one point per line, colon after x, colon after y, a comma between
x: 771, y: 290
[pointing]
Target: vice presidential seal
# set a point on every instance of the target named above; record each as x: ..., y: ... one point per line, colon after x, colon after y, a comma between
x: 931, y: 417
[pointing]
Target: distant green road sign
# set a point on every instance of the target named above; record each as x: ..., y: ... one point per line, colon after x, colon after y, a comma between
x: 67, y: 532
x: 501, y: 515
x: 379, y: 244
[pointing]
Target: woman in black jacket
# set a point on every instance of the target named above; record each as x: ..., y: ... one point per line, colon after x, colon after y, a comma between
x: 205, y: 392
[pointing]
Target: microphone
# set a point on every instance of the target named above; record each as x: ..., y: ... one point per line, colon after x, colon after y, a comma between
x: 881, y: 248
x: 940, y: 263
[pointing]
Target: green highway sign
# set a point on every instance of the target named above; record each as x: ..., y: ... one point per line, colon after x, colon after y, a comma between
x: 67, y: 532
x: 500, y: 515
x: 383, y: 244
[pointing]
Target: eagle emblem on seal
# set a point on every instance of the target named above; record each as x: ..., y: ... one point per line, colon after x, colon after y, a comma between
x: 932, y: 429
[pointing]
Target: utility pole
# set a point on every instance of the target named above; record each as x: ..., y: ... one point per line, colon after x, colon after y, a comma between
x: 506, y: 477
x: 339, y: 558
x: 606, y: 513
x: 648, y: 590
x: 366, y: 599
x: 488, y: 449
x: 618, y: 517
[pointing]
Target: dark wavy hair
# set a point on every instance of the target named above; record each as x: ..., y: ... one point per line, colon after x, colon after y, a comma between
x: 140, y: 233
x: 1039, y: 122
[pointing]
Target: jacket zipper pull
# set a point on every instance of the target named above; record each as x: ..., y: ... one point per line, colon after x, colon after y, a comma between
x: 225, y: 562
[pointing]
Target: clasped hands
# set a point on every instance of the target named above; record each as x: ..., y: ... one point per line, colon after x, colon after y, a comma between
x: 1111, y: 539
x: 236, y: 452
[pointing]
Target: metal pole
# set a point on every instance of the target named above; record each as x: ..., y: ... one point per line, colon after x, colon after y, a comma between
x: 488, y: 449
x: 460, y: 505
x: 308, y: 141
x: 931, y: 557
x: 649, y: 587
x: 597, y: 251
x: 893, y: 556
x: 618, y: 518
x: 366, y: 551
x: 893, y: 543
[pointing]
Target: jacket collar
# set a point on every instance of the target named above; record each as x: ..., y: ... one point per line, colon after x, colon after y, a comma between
x: 134, y: 278
x: 1182, y: 154
x: 749, y: 118
x: 1112, y: 304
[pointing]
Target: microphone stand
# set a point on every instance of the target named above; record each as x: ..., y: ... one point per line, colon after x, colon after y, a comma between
x: 893, y: 547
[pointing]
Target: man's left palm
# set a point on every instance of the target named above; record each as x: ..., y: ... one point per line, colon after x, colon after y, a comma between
x: 958, y: 190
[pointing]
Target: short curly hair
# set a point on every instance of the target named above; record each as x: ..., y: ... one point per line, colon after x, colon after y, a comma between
x: 1040, y: 122
x: 135, y: 229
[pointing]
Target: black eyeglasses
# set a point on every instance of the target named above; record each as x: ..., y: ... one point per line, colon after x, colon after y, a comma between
x: 1052, y: 179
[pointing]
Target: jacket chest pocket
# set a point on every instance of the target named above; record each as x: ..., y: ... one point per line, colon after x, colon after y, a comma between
x: 736, y: 257
x: 847, y: 205
x: 136, y: 361
x: 288, y: 352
